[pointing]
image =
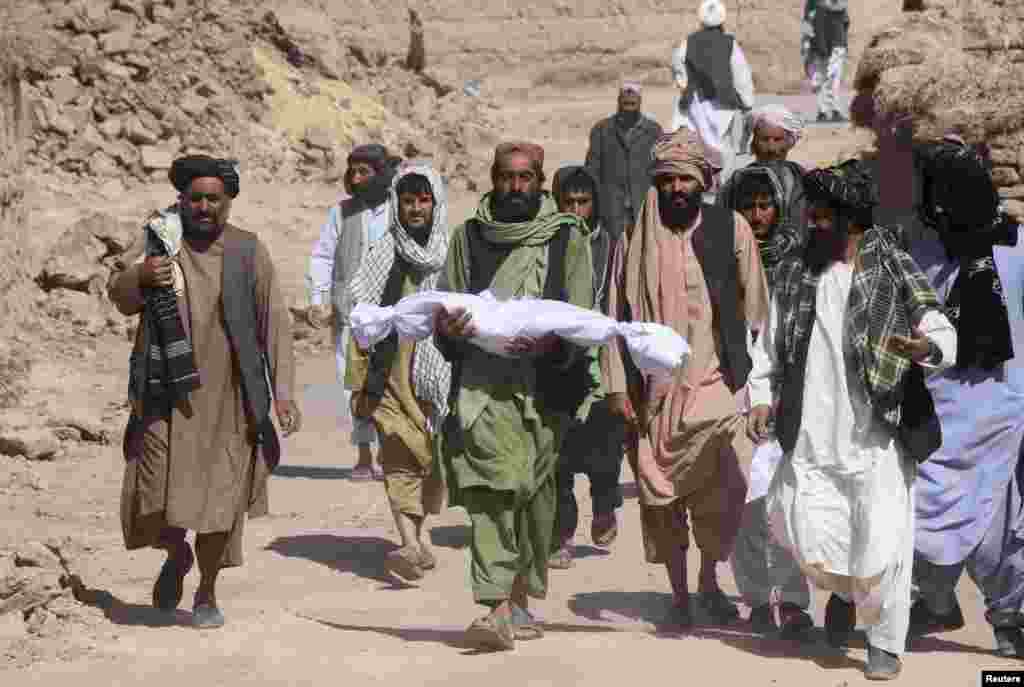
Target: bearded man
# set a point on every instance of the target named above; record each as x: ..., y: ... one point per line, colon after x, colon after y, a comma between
x: 716, y: 87
x: 969, y: 502
x: 213, y: 329
x: 510, y: 413
x: 760, y: 565
x: 595, y: 446
x: 352, y: 227
x: 620, y: 147
x: 851, y: 317
x: 696, y: 268
x: 402, y: 386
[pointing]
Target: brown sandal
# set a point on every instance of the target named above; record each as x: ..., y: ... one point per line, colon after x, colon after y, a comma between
x: 491, y: 633
x: 406, y: 562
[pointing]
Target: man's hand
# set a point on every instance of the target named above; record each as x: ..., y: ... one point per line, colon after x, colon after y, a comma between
x: 619, y: 406
x: 318, y: 316
x: 528, y: 347
x: 757, y: 423
x: 455, y: 324
x: 157, y: 272
x: 917, y: 347
x: 288, y: 416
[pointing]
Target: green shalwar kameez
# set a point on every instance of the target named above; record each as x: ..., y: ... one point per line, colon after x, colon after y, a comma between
x: 502, y: 439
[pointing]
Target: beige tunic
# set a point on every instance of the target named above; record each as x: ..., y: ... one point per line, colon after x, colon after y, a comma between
x: 196, y: 469
x: 413, y: 486
x: 695, y: 453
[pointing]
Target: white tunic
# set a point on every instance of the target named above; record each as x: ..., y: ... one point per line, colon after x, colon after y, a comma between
x: 840, y: 499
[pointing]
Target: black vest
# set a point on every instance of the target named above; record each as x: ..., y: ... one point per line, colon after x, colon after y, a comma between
x: 709, y: 69
x: 238, y: 299
x: 714, y: 244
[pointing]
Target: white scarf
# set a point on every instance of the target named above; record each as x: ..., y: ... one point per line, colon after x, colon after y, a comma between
x: 431, y: 374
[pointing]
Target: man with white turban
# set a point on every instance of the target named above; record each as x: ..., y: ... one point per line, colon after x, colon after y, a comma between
x: 716, y: 86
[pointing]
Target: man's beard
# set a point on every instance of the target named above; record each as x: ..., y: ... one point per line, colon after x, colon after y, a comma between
x: 515, y: 206
x: 827, y: 247
x: 676, y: 214
x: 374, y: 191
x: 202, y: 226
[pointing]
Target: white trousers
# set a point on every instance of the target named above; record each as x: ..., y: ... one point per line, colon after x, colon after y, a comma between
x: 363, y: 430
x: 828, y: 75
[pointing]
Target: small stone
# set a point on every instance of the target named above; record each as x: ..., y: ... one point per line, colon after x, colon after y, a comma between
x: 36, y: 554
x: 102, y: 165
x: 117, y: 43
x: 123, y: 22
x: 193, y: 104
x: 116, y: 71
x: 320, y: 138
x: 138, y: 134
x: 112, y: 127
x: 63, y: 91
x: 156, y: 158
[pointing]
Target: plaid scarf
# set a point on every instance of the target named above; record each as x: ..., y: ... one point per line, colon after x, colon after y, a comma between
x: 889, y: 292
x: 431, y: 373
x: 165, y: 367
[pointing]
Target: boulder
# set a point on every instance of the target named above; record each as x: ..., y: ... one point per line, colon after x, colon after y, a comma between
x: 136, y: 132
x: 64, y: 90
x: 102, y: 165
x: 117, y: 43
x: 1005, y: 176
x: 112, y: 127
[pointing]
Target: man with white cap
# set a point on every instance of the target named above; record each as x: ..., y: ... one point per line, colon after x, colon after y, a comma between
x: 716, y: 86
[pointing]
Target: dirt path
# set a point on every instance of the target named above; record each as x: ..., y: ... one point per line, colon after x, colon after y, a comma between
x: 313, y: 604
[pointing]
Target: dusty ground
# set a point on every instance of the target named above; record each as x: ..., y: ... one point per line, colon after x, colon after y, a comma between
x: 313, y: 604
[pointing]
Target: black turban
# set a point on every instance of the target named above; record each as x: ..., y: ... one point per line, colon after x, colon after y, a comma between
x: 185, y: 169
x: 373, y: 154
x: 849, y: 187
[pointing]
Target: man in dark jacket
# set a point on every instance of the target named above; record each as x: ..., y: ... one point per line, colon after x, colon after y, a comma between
x: 619, y: 153
x: 595, y: 447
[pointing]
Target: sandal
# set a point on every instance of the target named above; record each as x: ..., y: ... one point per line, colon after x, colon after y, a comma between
x: 491, y: 633
x: 427, y: 560
x: 604, y: 530
x: 525, y: 626
x: 406, y: 563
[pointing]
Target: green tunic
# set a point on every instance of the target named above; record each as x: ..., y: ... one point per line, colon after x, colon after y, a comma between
x: 502, y: 441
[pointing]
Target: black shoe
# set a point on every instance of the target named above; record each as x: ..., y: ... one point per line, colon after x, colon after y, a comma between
x: 840, y: 620
x: 170, y: 584
x: 1009, y: 642
x: 794, y: 622
x: 761, y: 619
x: 882, y: 665
x: 924, y: 621
x: 718, y: 606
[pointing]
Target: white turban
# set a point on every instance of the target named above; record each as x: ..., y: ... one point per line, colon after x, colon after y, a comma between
x: 777, y: 115
x: 712, y: 13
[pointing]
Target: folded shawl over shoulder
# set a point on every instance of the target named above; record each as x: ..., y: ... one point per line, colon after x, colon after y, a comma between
x: 655, y: 349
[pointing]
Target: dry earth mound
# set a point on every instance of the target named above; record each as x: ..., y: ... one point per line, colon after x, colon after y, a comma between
x: 953, y: 66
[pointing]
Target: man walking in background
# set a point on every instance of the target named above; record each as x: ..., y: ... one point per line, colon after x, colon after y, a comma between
x: 716, y: 87
x: 352, y: 226
x: 825, y: 29
x: 620, y: 150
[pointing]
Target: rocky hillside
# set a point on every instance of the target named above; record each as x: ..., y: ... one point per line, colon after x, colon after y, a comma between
x: 123, y: 86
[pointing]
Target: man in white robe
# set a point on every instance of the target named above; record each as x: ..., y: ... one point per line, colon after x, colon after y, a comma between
x: 849, y: 319
x: 716, y: 88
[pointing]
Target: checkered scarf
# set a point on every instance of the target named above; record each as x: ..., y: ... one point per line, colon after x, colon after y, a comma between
x: 888, y: 294
x: 431, y: 373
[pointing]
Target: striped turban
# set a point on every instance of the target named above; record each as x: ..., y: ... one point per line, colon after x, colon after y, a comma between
x: 777, y: 115
x: 682, y: 153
